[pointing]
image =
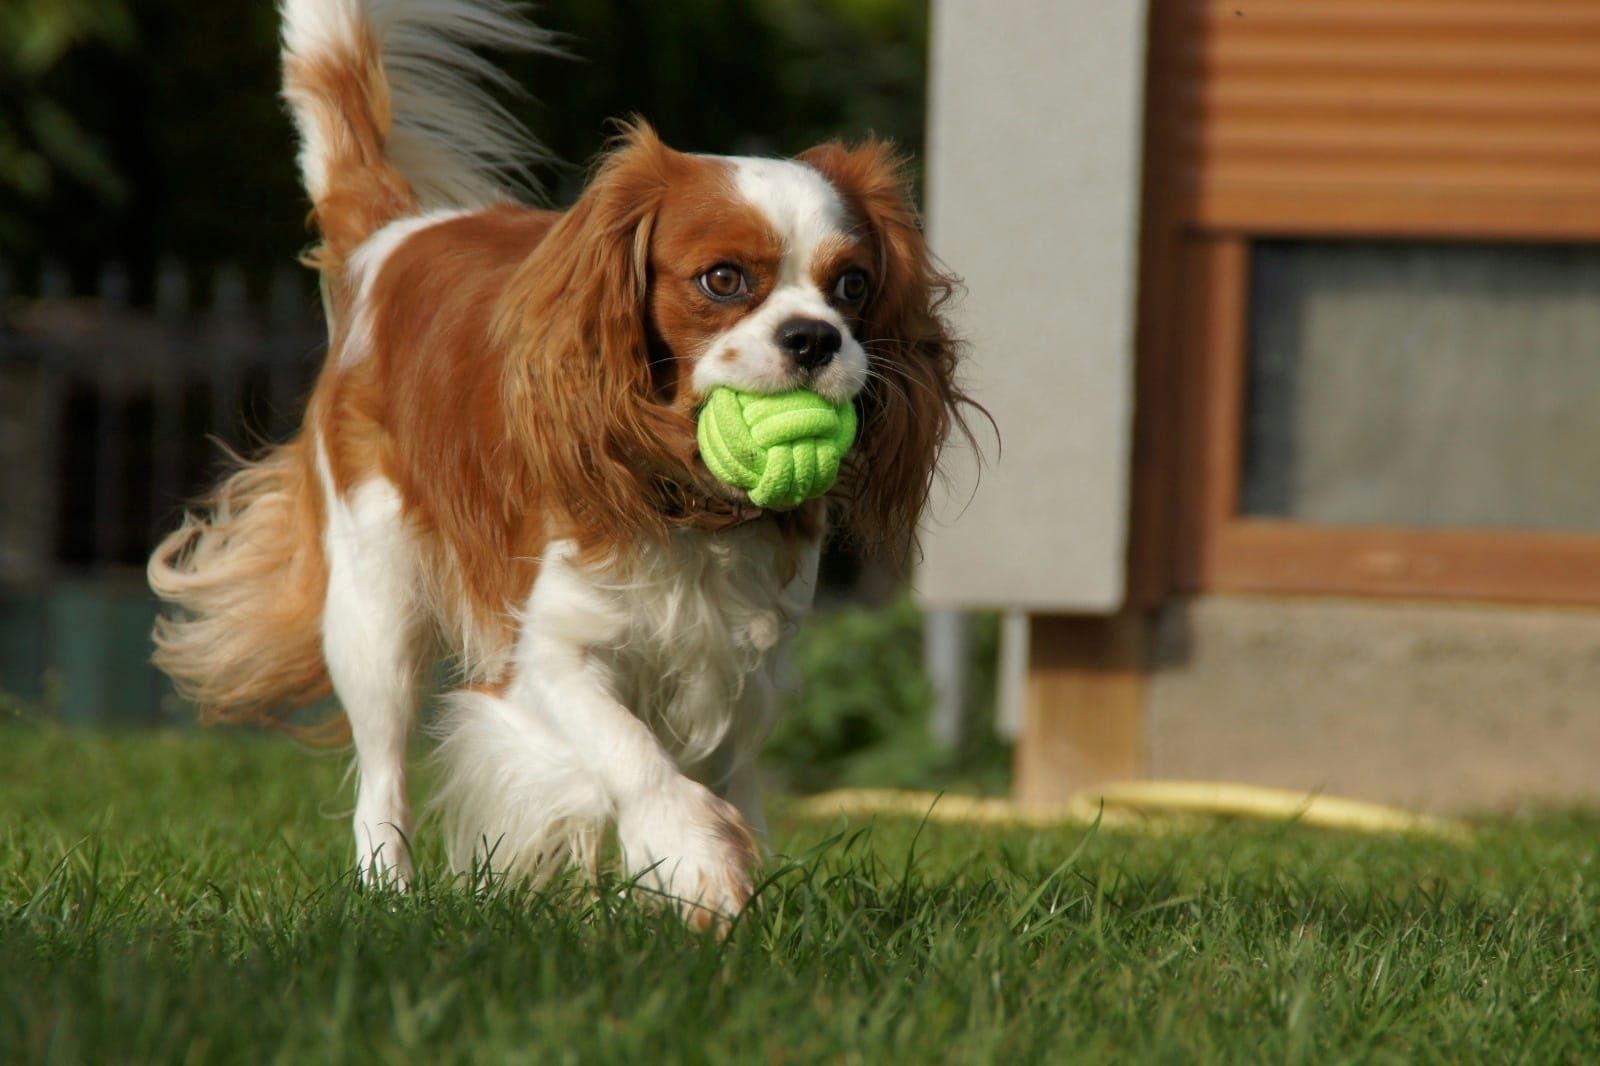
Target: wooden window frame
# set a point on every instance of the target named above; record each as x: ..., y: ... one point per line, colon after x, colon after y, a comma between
x: 1220, y: 550
x: 1222, y: 169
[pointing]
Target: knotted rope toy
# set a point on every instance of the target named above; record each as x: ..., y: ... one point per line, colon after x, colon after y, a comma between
x: 782, y: 448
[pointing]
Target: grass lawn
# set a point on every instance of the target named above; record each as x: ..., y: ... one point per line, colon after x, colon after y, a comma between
x: 183, y: 896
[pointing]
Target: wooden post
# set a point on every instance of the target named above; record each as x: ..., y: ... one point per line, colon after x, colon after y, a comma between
x: 1084, y: 719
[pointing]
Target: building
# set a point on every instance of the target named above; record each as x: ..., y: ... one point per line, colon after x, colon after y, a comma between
x: 1289, y: 312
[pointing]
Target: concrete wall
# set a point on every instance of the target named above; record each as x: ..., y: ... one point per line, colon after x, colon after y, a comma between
x: 1036, y: 113
x: 1449, y: 708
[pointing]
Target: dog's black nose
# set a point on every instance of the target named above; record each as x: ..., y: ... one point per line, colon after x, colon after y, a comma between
x: 810, y: 342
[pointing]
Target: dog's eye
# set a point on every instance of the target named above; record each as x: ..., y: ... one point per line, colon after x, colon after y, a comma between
x: 851, y: 288
x: 724, y: 282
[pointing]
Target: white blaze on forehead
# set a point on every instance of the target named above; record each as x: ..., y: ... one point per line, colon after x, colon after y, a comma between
x: 806, y: 212
x: 799, y: 203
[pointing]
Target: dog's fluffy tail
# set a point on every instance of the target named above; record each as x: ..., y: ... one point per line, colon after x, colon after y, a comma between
x: 391, y: 103
x: 249, y: 576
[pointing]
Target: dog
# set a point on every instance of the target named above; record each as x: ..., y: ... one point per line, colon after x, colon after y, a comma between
x: 498, y: 463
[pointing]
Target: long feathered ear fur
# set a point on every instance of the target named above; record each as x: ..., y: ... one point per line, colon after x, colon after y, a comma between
x: 912, y: 400
x: 611, y: 457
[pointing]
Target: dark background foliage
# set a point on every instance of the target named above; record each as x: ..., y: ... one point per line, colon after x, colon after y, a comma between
x: 142, y: 130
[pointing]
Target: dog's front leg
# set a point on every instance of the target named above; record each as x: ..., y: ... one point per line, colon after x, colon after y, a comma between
x: 677, y: 836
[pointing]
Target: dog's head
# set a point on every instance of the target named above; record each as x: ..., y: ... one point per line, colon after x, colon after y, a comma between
x: 674, y: 274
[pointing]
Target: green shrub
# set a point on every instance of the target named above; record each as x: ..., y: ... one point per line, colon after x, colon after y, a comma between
x: 858, y: 712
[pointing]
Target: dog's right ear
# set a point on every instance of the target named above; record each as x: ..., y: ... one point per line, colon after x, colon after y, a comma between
x: 912, y: 401
x: 578, y: 388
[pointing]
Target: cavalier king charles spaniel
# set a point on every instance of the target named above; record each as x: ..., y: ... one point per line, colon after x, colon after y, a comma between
x: 498, y: 465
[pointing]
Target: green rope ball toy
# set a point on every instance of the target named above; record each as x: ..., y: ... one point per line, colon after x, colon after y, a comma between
x: 782, y: 448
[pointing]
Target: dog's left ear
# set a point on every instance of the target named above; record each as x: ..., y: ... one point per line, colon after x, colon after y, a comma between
x: 912, y: 399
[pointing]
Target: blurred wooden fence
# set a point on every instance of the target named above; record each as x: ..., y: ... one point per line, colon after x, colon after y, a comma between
x: 111, y: 416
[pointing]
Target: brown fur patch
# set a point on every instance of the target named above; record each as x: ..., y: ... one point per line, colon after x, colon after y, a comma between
x: 348, y: 97
x: 424, y: 409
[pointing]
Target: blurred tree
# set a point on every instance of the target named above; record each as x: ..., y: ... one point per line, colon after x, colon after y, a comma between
x: 852, y: 67
x: 43, y: 145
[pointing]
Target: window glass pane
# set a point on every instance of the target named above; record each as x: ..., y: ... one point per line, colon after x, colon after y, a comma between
x: 1424, y: 385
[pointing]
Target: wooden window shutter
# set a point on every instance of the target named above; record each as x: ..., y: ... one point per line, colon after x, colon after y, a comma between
x: 1398, y: 118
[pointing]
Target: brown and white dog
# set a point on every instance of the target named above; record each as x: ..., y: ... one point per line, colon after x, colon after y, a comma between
x: 498, y: 464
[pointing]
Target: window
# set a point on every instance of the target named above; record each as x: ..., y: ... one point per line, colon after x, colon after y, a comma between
x: 1370, y: 300
x: 1423, y: 385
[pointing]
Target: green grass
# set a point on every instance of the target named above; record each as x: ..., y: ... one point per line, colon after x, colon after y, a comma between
x: 183, y: 896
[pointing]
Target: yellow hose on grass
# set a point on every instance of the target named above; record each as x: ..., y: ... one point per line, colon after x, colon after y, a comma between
x: 1143, y: 804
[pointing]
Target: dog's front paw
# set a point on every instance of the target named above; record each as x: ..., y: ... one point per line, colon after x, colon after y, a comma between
x: 692, y: 848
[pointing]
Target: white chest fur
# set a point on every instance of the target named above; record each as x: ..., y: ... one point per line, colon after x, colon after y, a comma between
x: 627, y: 676
x: 683, y: 634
